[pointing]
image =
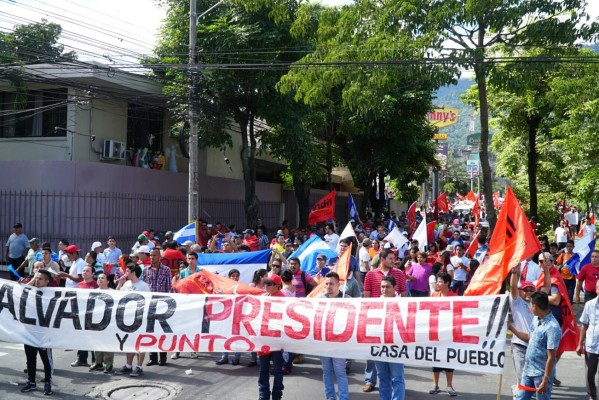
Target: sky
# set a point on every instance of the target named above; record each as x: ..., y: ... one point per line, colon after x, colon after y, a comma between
x: 109, y: 31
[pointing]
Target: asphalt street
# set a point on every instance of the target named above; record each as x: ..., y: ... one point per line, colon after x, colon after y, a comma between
x: 210, y: 382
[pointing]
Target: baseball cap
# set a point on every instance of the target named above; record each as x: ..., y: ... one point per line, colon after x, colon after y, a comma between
x: 17, y: 225
x: 34, y: 240
x: 142, y: 237
x: 71, y: 249
x: 143, y: 249
x: 321, y: 257
x: 251, y: 232
x: 527, y: 284
x: 187, y: 243
x: 146, y: 233
x: 169, y: 234
x: 276, y: 279
x: 366, y: 242
x: 278, y: 235
x: 96, y: 245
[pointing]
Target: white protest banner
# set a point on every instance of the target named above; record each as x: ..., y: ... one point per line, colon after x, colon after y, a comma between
x: 466, y: 333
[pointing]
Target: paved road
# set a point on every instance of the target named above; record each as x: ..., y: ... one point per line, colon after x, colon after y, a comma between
x: 211, y: 382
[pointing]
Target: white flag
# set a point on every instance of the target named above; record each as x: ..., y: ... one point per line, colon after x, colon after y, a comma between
x: 397, y: 238
x: 348, y: 232
x: 421, y: 235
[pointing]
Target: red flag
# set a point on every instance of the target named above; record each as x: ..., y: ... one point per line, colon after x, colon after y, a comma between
x: 442, y: 202
x: 592, y: 219
x: 569, y: 339
x: 323, y: 210
x: 512, y: 241
x: 412, y: 216
x: 430, y: 231
x: 206, y: 282
x: 341, y: 268
x: 473, y: 246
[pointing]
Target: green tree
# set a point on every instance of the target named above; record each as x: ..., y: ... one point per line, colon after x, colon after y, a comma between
x: 34, y: 43
x: 477, y: 27
x: 239, y: 45
x: 374, y: 111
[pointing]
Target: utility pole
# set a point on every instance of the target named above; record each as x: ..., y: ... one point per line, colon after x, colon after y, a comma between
x: 193, y: 199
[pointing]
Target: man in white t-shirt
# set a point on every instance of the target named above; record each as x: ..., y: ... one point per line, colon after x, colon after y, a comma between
x: 460, y: 266
x: 560, y: 235
x: 130, y: 282
x: 75, y: 274
x: 364, y: 259
x: 331, y: 238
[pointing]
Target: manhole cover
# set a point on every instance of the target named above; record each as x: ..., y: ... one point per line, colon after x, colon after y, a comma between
x: 138, y: 390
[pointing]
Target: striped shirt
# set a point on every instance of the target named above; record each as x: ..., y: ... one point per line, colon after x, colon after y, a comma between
x: 372, y: 282
x: 300, y: 290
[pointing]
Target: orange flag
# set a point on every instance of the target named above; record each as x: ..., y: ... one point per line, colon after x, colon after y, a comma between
x: 471, y: 196
x: 341, y: 268
x: 569, y: 339
x: 513, y: 240
x: 323, y: 210
x: 206, y: 282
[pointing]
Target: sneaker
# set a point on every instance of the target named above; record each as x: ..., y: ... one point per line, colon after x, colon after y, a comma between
x: 235, y: 361
x: 151, y: 362
x: 124, y: 370
x: 96, y: 367
x: 434, y: 390
x: 175, y: 356
x: 369, y: 387
x: 79, y: 364
x: 29, y: 387
x: 138, y: 371
x: 252, y: 363
x: 47, y: 389
x: 557, y: 382
x: 108, y: 369
x: 222, y: 361
x: 451, y: 392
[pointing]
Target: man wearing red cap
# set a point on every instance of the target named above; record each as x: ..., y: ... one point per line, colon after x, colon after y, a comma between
x: 273, y: 288
x: 521, y: 314
x: 75, y: 274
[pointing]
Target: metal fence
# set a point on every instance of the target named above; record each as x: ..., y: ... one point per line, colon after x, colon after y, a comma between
x: 83, y: 218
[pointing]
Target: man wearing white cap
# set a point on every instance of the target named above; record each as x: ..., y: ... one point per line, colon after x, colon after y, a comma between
x: 97, y: 248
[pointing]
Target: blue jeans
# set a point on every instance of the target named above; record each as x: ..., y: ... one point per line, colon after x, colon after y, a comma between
x: 534, y: 381
x: 392, y: 385
x: 334, y: 366
x: 225, y: 356
x: 457, y: 287
x: 370, y: 373
x: 264, y: 377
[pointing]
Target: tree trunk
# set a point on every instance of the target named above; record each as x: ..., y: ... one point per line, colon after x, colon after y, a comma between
x: 248, y: 163
x: 481, y: 81
x: 302, y: 195
x: 533, y: 127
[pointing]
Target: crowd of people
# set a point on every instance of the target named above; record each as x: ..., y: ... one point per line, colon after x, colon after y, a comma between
x: 377, y: 269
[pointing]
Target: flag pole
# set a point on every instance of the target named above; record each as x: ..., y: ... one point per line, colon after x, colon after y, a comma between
x: 499, y: 389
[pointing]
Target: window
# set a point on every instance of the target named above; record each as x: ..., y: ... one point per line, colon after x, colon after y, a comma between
x: 144, y: 127
x: 33, y: 114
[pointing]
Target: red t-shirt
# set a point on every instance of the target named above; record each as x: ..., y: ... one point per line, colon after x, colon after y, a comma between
x: 85, y: 285
x: 589, y: 275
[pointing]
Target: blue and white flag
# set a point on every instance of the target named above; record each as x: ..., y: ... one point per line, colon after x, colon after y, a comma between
x: 309, y: 250
x: 188, y: 232
x: 582, y: 254
x: 390, y: 225
x: 245, y: 262
x: 353, y: 211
